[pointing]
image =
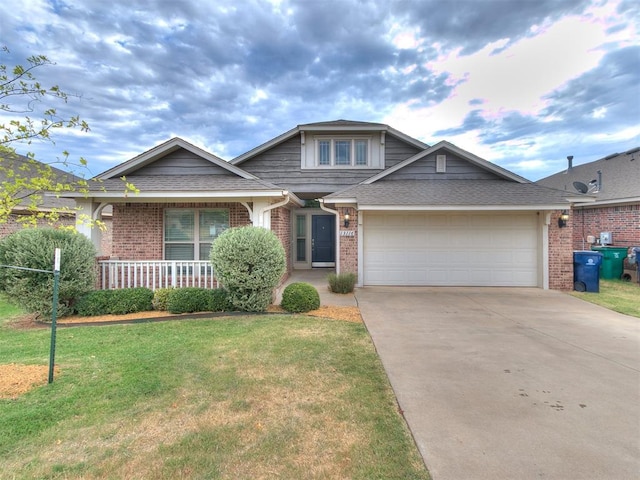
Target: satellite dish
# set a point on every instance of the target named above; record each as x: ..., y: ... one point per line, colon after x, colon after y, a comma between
x: 580, y: 187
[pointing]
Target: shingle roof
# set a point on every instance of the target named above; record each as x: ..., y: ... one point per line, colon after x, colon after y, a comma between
x: 620, y: 177
x: 184, y: 183
x: 455, y: 193
x: 27, y: 168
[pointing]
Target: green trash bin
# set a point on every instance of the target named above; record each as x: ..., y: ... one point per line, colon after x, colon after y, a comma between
x: 612, y: 261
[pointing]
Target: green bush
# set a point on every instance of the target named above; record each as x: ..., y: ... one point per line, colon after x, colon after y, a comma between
x: 219, y: 301
x: 131, y: 300
x: 115, y: 302
x: 34, y: 248
x: 94, y: 303
x: 160, y: 297
x: 342, y: 283
x: 300, y: 297
x: 249, y: 262
x: 193, y: 299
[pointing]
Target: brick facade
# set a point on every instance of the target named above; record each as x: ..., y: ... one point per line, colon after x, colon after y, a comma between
x: 138, y: 227
x: 13, y: 225
x: 560, y: 254
x: 623, y: 221
x: 349, y: 245
x: 281, y: 226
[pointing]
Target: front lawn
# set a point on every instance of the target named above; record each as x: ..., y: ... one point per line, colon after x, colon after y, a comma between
x: 271, y: 396
x: 616, y: 295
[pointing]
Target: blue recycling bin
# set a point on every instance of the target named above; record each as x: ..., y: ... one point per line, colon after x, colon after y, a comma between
x: 586, y: 271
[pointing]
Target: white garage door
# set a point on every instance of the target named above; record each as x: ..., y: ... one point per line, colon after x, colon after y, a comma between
x: 470, y: 249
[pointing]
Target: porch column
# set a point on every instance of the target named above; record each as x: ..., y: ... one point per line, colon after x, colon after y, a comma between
x: 87, y: 212
x: 261, y: 214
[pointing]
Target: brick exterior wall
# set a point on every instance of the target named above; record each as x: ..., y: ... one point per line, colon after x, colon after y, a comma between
x: 13, y: 225
x: 281, y: 226
x: 138, y: 227
x: 560, y: 254
x: 349, y: 245
x: 622, y: 221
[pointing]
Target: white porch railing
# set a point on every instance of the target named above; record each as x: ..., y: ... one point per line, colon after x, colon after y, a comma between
x: 156, y: 274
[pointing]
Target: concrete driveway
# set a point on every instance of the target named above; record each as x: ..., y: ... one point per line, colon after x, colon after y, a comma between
x: 499, y: 383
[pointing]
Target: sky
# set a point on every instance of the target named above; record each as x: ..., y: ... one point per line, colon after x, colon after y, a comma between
x: 521, y: 83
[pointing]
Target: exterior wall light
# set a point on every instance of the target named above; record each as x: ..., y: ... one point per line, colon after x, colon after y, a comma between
x: 346, y: 218
x: 562, y: 220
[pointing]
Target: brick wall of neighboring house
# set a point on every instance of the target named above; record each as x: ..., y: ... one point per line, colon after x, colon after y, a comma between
x: 560, y: 254
x: 623, y: 221
x: 281, y: 226
x: 138, y: 227
x: 13, y: 224
x: 349, y: 244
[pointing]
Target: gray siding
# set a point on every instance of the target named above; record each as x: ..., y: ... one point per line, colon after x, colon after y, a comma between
x: 395, y: 151
x: 457, y: 169
x: 181, y: 162
x: 282, y: 165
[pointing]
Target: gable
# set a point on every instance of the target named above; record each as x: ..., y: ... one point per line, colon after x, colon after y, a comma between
x: 192, y: 155
x: 465, y: 162
x: 441, y: 165
x: 181, y: 162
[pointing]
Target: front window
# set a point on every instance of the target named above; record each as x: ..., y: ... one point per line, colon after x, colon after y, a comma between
x: 189, y: 233
x: 342, y: 152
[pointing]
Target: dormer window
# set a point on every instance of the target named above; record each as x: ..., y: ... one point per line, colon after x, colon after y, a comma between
x: 342, y: 152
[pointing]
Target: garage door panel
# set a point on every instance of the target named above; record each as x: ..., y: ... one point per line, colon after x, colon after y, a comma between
x: 450, y: 249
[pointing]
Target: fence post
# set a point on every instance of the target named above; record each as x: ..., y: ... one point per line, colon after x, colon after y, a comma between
x: 54, y: 313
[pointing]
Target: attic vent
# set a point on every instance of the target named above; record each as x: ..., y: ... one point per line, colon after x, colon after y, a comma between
x: 441, y: 163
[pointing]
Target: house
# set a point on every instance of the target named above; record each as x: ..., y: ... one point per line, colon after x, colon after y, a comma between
x: 24, y: 213
x: 607, y: 198
x: 356, y: 196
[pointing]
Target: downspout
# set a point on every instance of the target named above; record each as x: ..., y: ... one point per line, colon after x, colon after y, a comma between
x: 286, y: 200
x: 337, y: 215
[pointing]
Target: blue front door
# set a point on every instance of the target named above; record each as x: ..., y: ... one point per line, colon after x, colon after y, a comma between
x: 323, y: 241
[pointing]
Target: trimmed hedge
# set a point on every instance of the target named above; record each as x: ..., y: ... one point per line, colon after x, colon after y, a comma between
x: 342, y: 283
x: 115, y: 302
x: 194, y: 299
x: 300, y: 297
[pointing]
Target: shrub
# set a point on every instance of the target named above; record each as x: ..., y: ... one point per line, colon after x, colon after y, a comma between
x: 300, y: 297
x: 249, y: 262
x: 115, y: 302
x: 34, y: 248
x: 342, y: 283
x: 219, y: 301
x: 94, y: 303
x: 160, y: 297
x: 131, y: 300
x: 193, y: 299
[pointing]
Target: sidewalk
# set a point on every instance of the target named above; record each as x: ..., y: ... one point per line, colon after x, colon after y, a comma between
x: 318, y: 278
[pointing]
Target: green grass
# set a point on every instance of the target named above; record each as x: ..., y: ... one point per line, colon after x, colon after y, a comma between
x: 7, y: 310
x: 616, y: 295
x: 237, y: 398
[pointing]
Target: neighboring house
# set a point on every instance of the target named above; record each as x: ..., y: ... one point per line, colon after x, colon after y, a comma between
x: 608, y: 198
x: 65, y: 207
x: 357, y: 196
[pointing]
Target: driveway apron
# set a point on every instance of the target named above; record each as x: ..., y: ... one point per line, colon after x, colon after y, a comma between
x: 500, y: 383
